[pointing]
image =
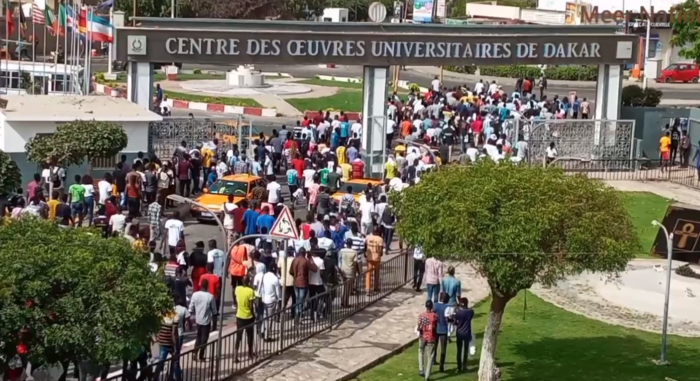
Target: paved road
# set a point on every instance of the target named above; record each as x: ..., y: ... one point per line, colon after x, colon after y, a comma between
x: 412, y: 75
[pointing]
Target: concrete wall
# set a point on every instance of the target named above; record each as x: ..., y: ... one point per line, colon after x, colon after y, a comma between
x: 649, y: 123
x: 14, y: 136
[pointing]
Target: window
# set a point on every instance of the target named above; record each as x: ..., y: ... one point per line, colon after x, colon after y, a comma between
x: 105, y: 162
x: 236, y: 188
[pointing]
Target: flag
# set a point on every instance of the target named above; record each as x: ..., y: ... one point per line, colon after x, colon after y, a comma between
x: 38, y: 12
x: 100, y: 28
x: 22, y: 22
x: 51, y: 22
x: 9, y: 23
x: 105, y: 4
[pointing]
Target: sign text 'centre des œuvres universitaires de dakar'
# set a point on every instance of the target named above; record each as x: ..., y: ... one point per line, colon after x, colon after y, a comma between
x: 371, y: 49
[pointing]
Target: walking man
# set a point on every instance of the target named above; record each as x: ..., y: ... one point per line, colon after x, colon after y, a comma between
x: 418, y: 267
x: 433, y: 274
x: 426, y: 330
x: 203, y: 308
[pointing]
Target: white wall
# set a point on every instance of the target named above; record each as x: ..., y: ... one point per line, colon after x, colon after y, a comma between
x: 492, y: 11
x: 14, y: 135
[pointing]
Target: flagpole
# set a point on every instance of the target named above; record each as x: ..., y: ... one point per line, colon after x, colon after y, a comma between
x: 88, y: 43
x: 45, y: 77
x: 109, y: 52
x: 66, y: 55
x: 8, y: 56
x: 31, y: 75
x: 19, y: 45
x: 57, y: 31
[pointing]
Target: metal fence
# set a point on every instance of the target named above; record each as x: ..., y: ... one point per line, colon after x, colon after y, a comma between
x: 249, y: 346
x: 165, y: 136
x: 592, y: 139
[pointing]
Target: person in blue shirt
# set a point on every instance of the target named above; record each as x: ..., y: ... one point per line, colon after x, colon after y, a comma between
x: 250, y: 219
x: 463, y: 321
x: 211, y: 178
x: 441, y: 330
x: 344, y: 131
x: 265, y: 220
x: 451, y: 286
x: 577, y: 107
x: 335, y: 139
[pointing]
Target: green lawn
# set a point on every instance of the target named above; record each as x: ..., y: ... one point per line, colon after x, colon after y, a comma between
x: 546, y: 343
x: 321, y: 82
x: 643, y: 208
x: 247, y: 102
x: 343, y: 100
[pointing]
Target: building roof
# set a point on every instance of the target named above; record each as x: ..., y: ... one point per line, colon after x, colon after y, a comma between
x: 67, y: 108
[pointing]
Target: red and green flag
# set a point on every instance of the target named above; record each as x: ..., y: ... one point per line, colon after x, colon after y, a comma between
x: 51, y: 22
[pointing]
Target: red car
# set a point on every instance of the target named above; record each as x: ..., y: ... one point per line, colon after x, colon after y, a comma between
x: 680, y: 73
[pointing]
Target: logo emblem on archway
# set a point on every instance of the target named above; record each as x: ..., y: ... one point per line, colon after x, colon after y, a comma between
x: 136, y: 45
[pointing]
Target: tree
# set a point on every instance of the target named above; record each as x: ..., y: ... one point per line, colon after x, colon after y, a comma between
x: 635, y: 96
x: 77, y: 141
x: 71, y: 294
x: 146, y: 8
x: 10, y: 175
x: 31, y: 85
x: 685, y: 30
x: 517, y: 225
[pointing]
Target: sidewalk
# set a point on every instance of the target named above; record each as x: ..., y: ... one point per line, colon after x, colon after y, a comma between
x: 361, y: 341
x: 473, y: 78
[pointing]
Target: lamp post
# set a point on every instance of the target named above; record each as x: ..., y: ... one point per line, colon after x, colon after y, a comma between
x: 669, y: 263
x: 188, y: 201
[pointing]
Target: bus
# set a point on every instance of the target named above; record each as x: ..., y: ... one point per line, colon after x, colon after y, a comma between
x: 47, y: 78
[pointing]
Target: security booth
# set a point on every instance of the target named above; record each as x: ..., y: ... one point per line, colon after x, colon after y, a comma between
x: 375, y: 47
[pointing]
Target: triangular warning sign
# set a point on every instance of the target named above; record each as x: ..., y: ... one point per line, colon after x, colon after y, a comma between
x: 284, y: 226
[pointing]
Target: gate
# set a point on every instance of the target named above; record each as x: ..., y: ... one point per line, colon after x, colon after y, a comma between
x: 165, y: 136
x: 583, y: 139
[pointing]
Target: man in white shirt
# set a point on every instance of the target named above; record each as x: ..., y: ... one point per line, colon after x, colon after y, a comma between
x: 472, y: 152
x: 418, y: 267
x: 395, y: 184
x: 366, y: 209
x: 315, y: 280
x: 175, y: 230
x: 215, y: 256
x: 493, y: 87
x: 267, y: 288
x: 274, y: 190
x: 104, y: 188
x: 117, y: 223
x: 356, y: 128
x: 435, y: 84
x: 326, y: 243
x: 479, y: 87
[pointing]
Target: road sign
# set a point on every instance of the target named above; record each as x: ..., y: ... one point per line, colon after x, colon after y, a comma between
x: 284, y: 226
x: 377, y: 12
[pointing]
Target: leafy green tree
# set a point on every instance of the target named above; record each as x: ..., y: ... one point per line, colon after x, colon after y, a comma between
x: 71, y: 294
x: 517, y: 225
x: 10, y: 175
x: 146, y: 8
x: 77, y: 141
x: 685, y: 31
x: 635, y: 96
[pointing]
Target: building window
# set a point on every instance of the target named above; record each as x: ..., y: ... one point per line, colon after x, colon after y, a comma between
x: 104, y: 162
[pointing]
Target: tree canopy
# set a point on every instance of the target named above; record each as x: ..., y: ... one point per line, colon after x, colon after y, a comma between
x: 75, y: 142
x: 69, y: 293
x: 10, y: 175
x: 685, y: 31
x: 517, y: 225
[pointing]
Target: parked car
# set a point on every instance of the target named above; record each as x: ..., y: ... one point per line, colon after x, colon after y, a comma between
x: 680, y: 73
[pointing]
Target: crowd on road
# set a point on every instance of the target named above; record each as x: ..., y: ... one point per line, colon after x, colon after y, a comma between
x: 349, y: 220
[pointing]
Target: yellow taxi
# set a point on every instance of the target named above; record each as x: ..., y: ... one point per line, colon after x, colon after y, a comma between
x: 358, y: 187
x: 240, y: 186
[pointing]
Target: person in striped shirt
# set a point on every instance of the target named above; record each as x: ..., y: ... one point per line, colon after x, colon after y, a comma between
x: 167, y: 338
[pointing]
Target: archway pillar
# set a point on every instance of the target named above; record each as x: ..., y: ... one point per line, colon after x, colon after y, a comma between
x: 375, y: 80
x: 139, y: 87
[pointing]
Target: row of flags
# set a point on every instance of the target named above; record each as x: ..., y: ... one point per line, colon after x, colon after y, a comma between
x: 84, y: 22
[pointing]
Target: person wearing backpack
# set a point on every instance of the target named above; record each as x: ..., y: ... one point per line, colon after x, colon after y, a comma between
x: 388, y: 223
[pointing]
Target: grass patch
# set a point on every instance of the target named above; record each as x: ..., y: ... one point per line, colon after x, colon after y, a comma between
x: 545, y: 342
x: 322, y: 82
x: 643, y: 208
x: 246, y: 102
x: 343, y: 100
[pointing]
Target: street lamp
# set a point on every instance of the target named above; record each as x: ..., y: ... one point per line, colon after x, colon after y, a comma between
x: 188, y: 201
x: 669, y: 264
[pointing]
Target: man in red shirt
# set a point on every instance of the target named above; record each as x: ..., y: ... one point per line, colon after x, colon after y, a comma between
x: 305, y: 122
x: 426, y: 329
x: 238, y: 226
x: 477, y: 127
x: 358, y: 168
x: 318, y: 119
x: 213, y: 287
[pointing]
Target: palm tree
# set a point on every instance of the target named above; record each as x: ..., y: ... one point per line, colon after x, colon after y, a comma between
x: 31, y: 85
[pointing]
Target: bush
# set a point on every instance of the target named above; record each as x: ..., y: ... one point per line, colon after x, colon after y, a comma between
x: 468, y: 69
x: 565, y: 73
x: 414, y: 88
x: 635, y: 96
x: 197, y: 71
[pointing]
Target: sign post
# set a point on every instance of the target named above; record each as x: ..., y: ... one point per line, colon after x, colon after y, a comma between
x: 284, y: 227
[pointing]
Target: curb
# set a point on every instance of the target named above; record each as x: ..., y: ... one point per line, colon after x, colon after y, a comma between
x: 339, y: 79
x: 352, y: 115
x: 199, y: 106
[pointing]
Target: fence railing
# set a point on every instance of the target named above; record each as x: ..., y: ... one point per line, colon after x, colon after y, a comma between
x: 277, y: 330
x: 640, y: 169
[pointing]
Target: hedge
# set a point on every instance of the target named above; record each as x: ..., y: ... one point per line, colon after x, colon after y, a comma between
x: 566, y: 73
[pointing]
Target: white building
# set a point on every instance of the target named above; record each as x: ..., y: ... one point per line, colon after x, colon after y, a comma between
x: 27, y: 116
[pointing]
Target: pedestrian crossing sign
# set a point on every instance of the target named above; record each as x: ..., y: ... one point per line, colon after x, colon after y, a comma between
x: 284, y: 226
